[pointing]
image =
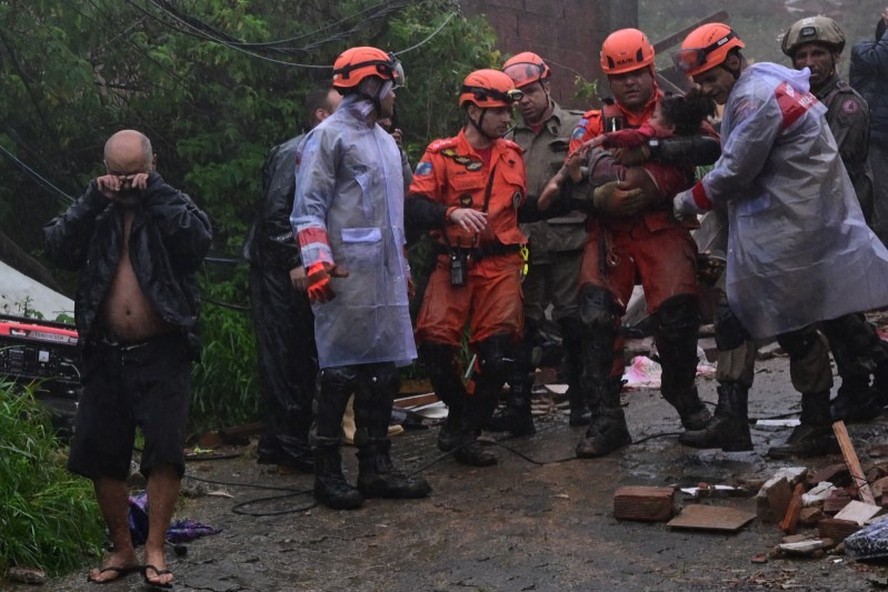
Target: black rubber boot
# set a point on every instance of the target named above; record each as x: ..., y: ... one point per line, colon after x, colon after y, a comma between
x: 676, y: 325
x: 814, y: 435
x: 608, y: 430
x: 516, y: 418
x: 691, y: 409
x: 377, y: 476
x: 856, y: 401
x: 440, y: 366
x: 729, y: 427
x: 330, y: 487
x: 335, y: 386
x: 571, y: 339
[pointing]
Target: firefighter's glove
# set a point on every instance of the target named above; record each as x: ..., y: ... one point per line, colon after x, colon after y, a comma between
x: 318, y: 280
x: 617, y: 199
x: 684, y: 207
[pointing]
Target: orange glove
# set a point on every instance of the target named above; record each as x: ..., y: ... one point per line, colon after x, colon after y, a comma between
x: 318, y: 279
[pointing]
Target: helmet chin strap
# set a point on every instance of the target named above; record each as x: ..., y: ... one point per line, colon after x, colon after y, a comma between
x: 478, y: 125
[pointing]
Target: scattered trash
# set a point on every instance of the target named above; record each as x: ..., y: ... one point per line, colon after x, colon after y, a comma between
x: 179, y: 531
x: 777, y: 423
x: 870, y: 542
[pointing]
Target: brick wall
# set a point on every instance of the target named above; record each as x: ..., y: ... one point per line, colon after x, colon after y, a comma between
x: 566, y: 33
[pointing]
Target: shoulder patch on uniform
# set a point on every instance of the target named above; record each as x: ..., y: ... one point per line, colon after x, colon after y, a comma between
x: 423, y: 168
x: 580, y: 129
x: 850, y: 106
x: 439, y: 145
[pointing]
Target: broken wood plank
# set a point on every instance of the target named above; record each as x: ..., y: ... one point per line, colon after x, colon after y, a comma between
x: 791, y: 519
x: 644, y: 503
x: 416, y: 400
x: 850, y: 456
x: 858, y: 512
x: 704, y: 517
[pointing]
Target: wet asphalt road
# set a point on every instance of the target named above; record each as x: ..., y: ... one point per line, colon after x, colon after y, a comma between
x: 539, y: 521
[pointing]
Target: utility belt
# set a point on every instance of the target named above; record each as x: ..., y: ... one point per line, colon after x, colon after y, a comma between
x: 460, y: 256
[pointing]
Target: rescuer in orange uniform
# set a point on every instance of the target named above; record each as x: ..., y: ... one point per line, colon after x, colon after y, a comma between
x: 467, y: 190
x: 631, y: 239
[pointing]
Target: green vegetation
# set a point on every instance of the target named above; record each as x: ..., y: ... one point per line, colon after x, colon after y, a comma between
x: 48, y: 518
x: 214, y: 84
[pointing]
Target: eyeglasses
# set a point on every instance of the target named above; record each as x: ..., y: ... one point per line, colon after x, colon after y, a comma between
x: 692, y: 58
x: 488, y: 94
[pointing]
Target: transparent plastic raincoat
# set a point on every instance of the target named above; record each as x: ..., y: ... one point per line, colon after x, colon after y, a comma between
x: 799, y: 250
x: 350, y: 200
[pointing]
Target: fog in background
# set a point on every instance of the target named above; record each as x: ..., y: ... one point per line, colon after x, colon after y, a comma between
x: 760, y: 23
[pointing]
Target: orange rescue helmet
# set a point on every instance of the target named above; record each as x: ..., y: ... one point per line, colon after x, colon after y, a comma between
x: 706, y: 47
x: 526, y: 68
x: 626, y: 50
x: 489, y: 88
x: 357, y: 63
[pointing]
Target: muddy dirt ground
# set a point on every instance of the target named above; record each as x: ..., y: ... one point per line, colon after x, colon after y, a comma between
x: 541, y: 520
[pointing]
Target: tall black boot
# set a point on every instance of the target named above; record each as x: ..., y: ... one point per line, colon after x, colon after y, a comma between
x: 608, y: 430
x: 814, y: 435
x: 440, y: 366
x: 517, y: 418
x: 377, y: 476
x: 676, y: 325
x: 335, y: 386
x: 856, y: 401
x: 468, y: 450
x: 496, y: 356
x: 691, y: 409
x: 729, y: 427
x: 330, y: 486
x: 571, y: 339
x: 858, y: 352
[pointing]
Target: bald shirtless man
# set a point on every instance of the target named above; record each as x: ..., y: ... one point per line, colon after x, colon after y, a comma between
x: 137, y: 243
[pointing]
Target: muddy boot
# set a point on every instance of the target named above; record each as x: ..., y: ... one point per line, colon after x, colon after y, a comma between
x: 608, y: 430
x: 448, y: 434
x: 729, y: 427
x: 855, y: 401
x: 378, y: 477
x: 814, y: 436
x: 692, y: 411
x: 330, y: 487
x: 571, y: 338
x: 439, y: 362
x: 516, y: 418
x: 469, y: 450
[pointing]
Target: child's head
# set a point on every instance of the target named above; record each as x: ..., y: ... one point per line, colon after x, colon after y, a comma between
x: 683, y: 113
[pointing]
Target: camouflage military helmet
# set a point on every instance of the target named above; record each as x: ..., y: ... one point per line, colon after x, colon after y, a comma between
x: 813, y: 29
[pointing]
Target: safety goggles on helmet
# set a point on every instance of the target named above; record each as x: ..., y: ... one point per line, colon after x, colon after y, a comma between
x: 482, y: 94
x: 524, y: 73
x: 389, y: 69
x: 693, y: 58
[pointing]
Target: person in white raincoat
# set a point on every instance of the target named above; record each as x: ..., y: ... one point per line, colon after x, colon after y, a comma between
x: 348, y: 217
x: 799, y: 250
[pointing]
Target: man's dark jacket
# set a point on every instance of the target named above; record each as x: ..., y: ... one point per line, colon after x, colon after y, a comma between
x: 169, y: 238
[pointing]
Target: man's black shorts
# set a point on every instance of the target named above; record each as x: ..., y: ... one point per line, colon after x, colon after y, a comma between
x: 145, y: 384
